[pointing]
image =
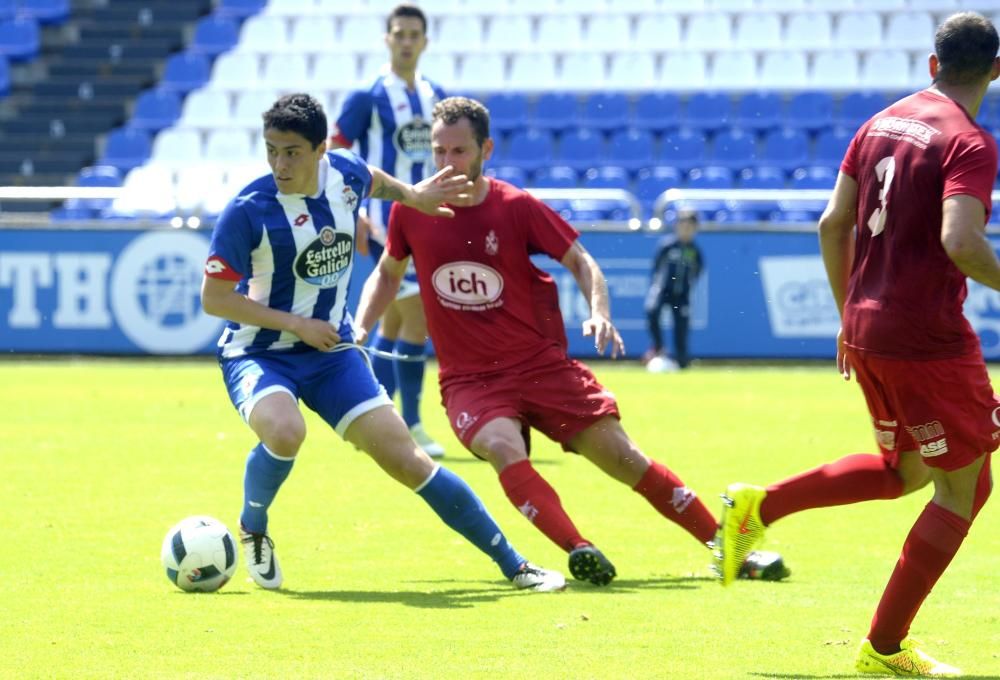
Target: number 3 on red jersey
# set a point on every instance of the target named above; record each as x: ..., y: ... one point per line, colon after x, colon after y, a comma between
x: 885, y: 170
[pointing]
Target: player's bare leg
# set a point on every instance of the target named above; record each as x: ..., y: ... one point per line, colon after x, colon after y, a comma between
x: 412, y: 340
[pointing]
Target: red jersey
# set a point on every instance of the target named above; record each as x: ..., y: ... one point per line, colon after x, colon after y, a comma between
x: 477, y: 282
x: 905, y: 295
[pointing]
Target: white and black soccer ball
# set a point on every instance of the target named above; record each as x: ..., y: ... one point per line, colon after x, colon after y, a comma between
x: 199, y: 554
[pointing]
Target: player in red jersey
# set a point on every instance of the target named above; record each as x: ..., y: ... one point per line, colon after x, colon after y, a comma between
x: 504, y: 367
x: 903, y: 229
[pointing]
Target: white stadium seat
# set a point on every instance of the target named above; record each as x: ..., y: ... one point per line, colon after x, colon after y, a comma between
x: 861, y: 30
x: 609, y: 33
x: 559, y: 33
x: 729, y: 5
x: 686, y: 70
x: 808, y: 30
x: 291, y: 8
x: 632, y: 71
x: 286, y: 72
x: 228, y: 146
x: 313, y: 34
x: 733, y: 70
x: 195, y: 184
x: 458, y: 33
x: 441, y: 68
x: 236, y: 71
x: 147, y: 190
x: 509, y: 34
x: 782, y: 5
x: 583, y: 71
x: 888, y: 69
x: 910, y: 30
x: 482, y: 72
x: 784, y: 70
x: 176, y: 147
x: 206, y: 108
x: 250, y: 105
x: 657, y: 32
x: 371, y: 65
x: 532, y: 71
x: 335, y: 70
x: 835, y: 69
x: 759, y: 30
x: 361, y: 34
x: 264, y: 33
x: 709, y: 31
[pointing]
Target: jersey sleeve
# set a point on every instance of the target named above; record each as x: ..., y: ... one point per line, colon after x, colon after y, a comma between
x: 396, y: 243
x: 353, y: 120
x: 970, y: 168
x: 232, y: 241
x: 547, y: 232
x: 849, y: 166
x: 356, y: 172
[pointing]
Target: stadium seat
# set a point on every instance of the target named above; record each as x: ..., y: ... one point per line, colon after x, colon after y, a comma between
x: 684, y: 71
x: 814, y: 177
x: 126, y: 148
x: 250, y: 105
x: 808, y: 30
x: 155, y: 109
x: 9, y: 9
x: 758, y: 111
x: 583, y: 71
x: 556, y: 111
x: 361, y: 33
x: 20, y: 39
x: 510, y: 33
x: 762, y: 177
x: 787, y: 148
x: 214, y: 35
x: 147, y: 192
x: 733, y: 70
x: 95, y: 176
x: 564, y: 30
x: 885, y: 69
x: 810, y: 110
x: 857, y: 107
x: 310, y: 31
x: 835, y: 69
x: 632, y: 71
x: 733, y: 148
x: 709, y: 30
x: 292, y: 8
x: 580, y: 149
x: 529, y: 149
x: 910, y: 31
x: 683, y: 149
x: 46, y: 12
x: 225, y: 146
x: 482, y: 72
x: 657, y: 111
x: 236, y: 71
x: 185, y: 72
x: 176, y: 147
x: 784, y: 70
x: 707, y: 111
x: 206, y: 109
x: 830, y: 146
x: 555, y: 177
x: 459, y: 33
x: 532, y: 71
x: 510, y: 174
x: 264, y: 33
x: 239, y: 9
x: 656, y: 31
x: 508, y: 111
x: 710, y: 177
x: 859, y: 30
x: 757, y: 31
x: 605, y: 111
x: 651, y: 182
x: 608, y: 32
x: 287, y: 72
x: 194, y: 185
x: 606, y: 177
x: 632, y: 148
x: 336, y: 67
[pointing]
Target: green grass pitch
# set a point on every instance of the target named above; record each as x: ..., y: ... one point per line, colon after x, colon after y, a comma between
x: 98, y: 458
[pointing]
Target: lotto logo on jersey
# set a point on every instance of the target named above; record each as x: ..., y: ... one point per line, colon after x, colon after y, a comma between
x: 468, y: 286
x: 324, y: 261
x: 413, y: 139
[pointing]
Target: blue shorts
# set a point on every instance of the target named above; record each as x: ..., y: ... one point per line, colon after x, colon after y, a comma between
x: 339, y: 386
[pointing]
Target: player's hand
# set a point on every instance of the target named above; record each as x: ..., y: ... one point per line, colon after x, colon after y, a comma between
x: 365, y: 227
x: 843, y: 363
x: 604, y: 333
x: 317, y: 333
x: 444, y: 186
x: 360, y: 335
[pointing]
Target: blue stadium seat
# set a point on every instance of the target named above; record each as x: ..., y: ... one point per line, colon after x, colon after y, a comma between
x: 556, y: 111
x: 762, y: 177
x: 508, y: 112
x: 239, y: 9
x: 684, y: 149
x: 528, y: 149
x: 214, y: 35
x: 8, y: 9
x: 580, y: 149
x: 4, y: 76
x: 606, y: 177
x: 734, y: 148
x: 20, y: 39
x: 814, y: 177
x: 605, y: 111
x: 632, y: 148
x: 509, y: 173
x: 787, y: 148
x: 657, y: 111
x: 710, y: 177
x: 155, y: 109
x: 857, y: 107
x: 555, y: 177
x: 184, y: 72
x: 651, y: 182
x: 830, y: 146
x: 810, y: 111
x: 126, y: 148
x: 44, y: 11
x: 758, y: 111
x: 708, y: 111
x: 89, y: 208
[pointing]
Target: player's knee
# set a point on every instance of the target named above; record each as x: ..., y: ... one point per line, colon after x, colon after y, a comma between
x: 499, y: 450
x: 284, y: 438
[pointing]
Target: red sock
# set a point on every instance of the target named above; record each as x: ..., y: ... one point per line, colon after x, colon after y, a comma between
x: 539, y: 502
x: 929, y: 548
x: 854, y: 478
x: 667, y: 493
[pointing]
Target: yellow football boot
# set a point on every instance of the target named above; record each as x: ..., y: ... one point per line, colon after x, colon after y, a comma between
x: 909, y: 661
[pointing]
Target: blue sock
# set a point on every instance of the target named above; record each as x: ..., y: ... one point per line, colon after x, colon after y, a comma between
x: 410, y: 377
x: 264, y: 476
x: 382, y: 367
x: 460, y: 508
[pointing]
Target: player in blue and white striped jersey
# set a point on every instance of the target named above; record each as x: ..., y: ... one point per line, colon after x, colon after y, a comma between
x: 278, y: 270
x: 389, y: 122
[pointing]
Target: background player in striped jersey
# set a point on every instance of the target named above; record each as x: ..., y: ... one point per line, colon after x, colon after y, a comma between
x: 390, y: 122
x: 279, y: 268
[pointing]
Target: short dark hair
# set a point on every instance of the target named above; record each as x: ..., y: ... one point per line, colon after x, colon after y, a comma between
x: 966, y: 46
x: 453, y: 109
x: 406, y: 10
x: 299, y: 113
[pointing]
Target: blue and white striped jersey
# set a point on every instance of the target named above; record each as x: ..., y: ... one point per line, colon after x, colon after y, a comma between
x: 391, y: 125
x: 291, y: 252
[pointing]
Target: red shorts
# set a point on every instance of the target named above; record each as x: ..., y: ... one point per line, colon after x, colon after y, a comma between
x: 552, y: 393
x: 945, y: 409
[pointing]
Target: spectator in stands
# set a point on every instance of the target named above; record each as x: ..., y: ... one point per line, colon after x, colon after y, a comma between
x: 677, y: 264
x: 903, y: 229
x: 278, y: 269
x: 389, y: 123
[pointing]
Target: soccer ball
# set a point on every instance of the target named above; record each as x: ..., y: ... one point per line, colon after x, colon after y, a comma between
x: 199, y: 554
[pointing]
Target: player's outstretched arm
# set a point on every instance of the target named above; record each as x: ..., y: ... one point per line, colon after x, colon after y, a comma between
x: 379, y: 291
x: 963, y: 236
x: 836, y: 243
x: 427, y: 196
x: 219, y: 298
x: 594, y: 287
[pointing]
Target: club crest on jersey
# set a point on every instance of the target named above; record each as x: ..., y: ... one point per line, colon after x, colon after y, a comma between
x: 324, y: 261
x: 413, y: 140
x: 350, y: 197
x: 492, y: 243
